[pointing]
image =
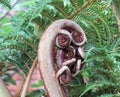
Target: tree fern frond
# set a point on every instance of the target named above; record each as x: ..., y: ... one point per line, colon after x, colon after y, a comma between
x: 95, y: 17
x: 93, y: 12
x: 103, y: 5
x: 91, y: 86
x: 107, y: 27
x: 77, y: 3
x: 22, y: 39
x: 19, y: 37
x: 51, y: 14
x: 89, y: 52
x: 116, y: 44
x: 109, y: 95
x: 16, y: 46
x: 75, y: 90
x: 6, y: 52
x: 18, y: 65
x: 6, y: 3
x: 24, y: 22
x: 102, y: 58
x: 37, y: 93
x: 65, y: 10
x: 35, y: 10
x: 95, y: 32
x: 81, y: 9
x: 15, y: 58
x: 42, y: 22
x: 94, y: 86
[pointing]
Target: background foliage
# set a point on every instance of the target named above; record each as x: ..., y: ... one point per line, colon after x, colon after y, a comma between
x: 19, y: 38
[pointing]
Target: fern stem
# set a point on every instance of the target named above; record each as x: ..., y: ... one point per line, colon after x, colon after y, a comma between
x: 20, y: 87
x: 28, y: 56
x: 64, y: 14
x: 74, y: 5
x: 3, y: 90
x: 31, y: 46
x: 80, y: 9
x: 28, y: 78
x: 115, y: 8
x: 27, y: 66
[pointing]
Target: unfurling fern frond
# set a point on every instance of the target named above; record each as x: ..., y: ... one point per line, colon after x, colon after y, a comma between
x: 102, y: 49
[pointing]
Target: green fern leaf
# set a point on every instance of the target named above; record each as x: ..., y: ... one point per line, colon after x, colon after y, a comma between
x: 42, y: 22
x: 51, y: 14
x: 110, y: 95
x: 6, y: 3
x: 77, y: 3
x: 65, y: 10
x: 96, y: 33
x: 92, y: 86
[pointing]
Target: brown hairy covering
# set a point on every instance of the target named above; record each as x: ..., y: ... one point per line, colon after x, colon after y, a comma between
x: 57, y: 55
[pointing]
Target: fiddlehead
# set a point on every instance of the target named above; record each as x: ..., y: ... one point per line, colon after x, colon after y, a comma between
x: 60, y: 54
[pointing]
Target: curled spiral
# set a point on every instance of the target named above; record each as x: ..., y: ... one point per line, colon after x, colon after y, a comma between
x: 69, y: 53
x: 60, y: 54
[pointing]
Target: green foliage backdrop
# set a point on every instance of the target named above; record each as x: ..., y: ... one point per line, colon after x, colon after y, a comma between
x: 102, y: 58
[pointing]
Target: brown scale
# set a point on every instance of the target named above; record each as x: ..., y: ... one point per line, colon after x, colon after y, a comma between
x: 63, y: 40
x: 67, y: 53
x: 66, y: 37
x: 77, y: 36
x: 65, y: 77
